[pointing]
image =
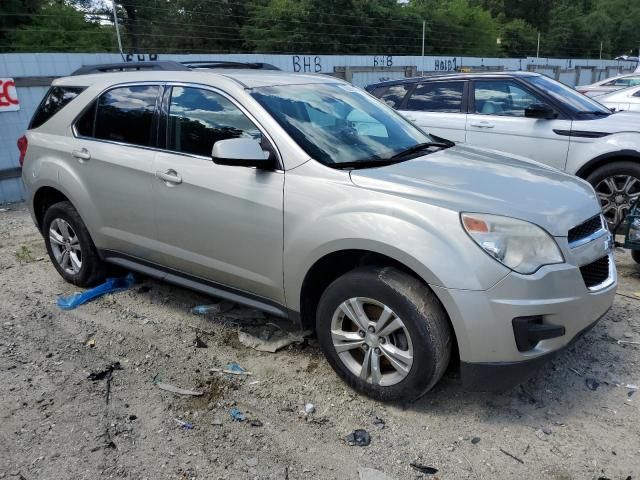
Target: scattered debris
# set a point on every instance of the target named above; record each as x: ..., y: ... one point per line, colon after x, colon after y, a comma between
x: 309, y: 408
x: 180, y: 391
x: 107, y: 374
x: 232, y: 369
x: 95, y: 376
x: 200, y: 330
x: 185, y: 425
x: 379, y: 422
x: 215, y: 308
x: 256, y: 423
x: 112, y: 285
x: 91, y: 343
x: 371, y: 474
x: 360, y: 438
x: 270, y: 341
x: 109, y: 445
x: 631, y: 386
x: 216, y: 422
x: 591, y: 383
x: 252, y: 462
x: 423, y: 468
x: 620, y: 342
x: 199, y: 342
x: 542, y: 435
x: 475, y: 440
x: 237, y: 415
x: 512, y: 456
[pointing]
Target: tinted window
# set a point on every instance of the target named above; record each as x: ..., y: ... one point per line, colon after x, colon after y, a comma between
x: 437, y: 97
x: 568, y: 97
x: 55, y: 99
x: 125, y: 114
x: 502, y: 97
x: 623, y: 82
x: 337, y: 124
x: 392, y: 95
x: 199, y: 118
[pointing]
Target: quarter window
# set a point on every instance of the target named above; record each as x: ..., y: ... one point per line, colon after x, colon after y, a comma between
x: 437, y: 97
x: 123, y: 114
x: 199, y: 118
x: 54, y: 101
x: 505, y: 98
x: 393, y: 95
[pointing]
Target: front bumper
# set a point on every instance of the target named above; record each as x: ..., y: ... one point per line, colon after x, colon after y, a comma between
x: 482, y: 320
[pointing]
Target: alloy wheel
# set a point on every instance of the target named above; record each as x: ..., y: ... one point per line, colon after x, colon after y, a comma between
x: 372, y: 341
x: 616, y: 194
x: 65, y: 246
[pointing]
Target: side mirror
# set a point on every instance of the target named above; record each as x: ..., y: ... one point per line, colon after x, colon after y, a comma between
x: 240, y: 152
x: 540, y: 110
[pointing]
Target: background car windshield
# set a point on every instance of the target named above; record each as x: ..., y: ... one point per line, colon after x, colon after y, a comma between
x: 337, y: 123
x: 568, y: 96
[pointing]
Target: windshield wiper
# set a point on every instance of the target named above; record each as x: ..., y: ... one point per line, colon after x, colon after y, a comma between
x: 364, y: 164
x: 419, y: 147
x: 594, y: 112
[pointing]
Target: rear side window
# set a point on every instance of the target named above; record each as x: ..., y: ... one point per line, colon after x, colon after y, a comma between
x: 437, y: 97
x: 123, y: 114
x: 393, y: 95
x: 54, y: 101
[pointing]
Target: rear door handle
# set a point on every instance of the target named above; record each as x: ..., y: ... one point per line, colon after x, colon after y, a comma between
x: 82, y: 154
x: 170, y: 176
x: 482, y: 125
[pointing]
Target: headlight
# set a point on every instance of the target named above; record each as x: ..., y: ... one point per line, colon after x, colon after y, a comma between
x: 519, y: 245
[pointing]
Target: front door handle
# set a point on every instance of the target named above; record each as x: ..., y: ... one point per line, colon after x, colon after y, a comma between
x: 482, y: 125
x: 170, y: 176
x: 82, y: 154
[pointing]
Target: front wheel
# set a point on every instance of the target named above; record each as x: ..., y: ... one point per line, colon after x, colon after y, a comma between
x: 617, y: 185
x: 384, y: 333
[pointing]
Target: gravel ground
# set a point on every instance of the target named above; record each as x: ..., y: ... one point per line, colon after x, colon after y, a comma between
x: 55, y: 423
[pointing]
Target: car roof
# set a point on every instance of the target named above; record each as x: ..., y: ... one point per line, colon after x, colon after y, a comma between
x: 243, y: 77
x: 457, y: 76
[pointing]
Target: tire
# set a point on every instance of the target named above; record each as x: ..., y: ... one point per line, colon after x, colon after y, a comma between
x: 615, y: 170
x: 425, y: 332
x: 91, y: 270
x: 635, y: 254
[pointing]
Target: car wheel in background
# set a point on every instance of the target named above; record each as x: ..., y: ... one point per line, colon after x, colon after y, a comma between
x: 618, y: 186
x: 70, y: 247
x: 384, y: 332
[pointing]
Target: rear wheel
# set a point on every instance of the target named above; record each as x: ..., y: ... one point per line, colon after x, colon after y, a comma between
x: 70, y: 247
x: 384, y: 332
x: 618, y: 186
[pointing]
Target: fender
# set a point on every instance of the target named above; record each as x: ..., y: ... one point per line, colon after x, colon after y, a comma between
x: 596, y: 162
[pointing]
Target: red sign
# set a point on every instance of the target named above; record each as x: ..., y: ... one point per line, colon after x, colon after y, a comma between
x: 8, y: 95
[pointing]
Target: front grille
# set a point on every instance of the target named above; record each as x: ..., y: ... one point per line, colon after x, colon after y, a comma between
x: 595, y: 273
x: 585, y: 229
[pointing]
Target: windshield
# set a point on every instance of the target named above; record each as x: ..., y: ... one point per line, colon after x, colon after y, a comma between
x: 569, y: 97
x: 338, y: 124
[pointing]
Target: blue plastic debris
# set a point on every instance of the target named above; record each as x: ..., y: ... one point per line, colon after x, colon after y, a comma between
x: 234, y: 368
x: 185, y: 425
x: 111, y: 285
x: 237, y: 415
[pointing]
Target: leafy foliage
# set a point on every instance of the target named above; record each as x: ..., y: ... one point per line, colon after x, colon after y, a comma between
x: 567, y: 28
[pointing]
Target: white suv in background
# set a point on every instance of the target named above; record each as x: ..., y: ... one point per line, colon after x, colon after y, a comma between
x: 530, y: 115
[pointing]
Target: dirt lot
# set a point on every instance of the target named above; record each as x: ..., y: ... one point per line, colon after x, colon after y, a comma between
x: 55, y: 423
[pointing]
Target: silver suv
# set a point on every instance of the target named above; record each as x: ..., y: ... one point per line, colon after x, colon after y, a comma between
x: 305, y: 197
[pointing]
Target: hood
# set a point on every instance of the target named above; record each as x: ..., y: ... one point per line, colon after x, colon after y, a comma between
x: 618, y: 122
x: 468, y: 179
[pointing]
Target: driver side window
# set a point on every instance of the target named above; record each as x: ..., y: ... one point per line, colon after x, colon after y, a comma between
x: 502, y: 97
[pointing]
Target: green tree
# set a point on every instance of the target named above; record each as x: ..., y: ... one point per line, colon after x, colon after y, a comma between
x: 60, y: 27
x: 13, y: 15
x: 519, y: 39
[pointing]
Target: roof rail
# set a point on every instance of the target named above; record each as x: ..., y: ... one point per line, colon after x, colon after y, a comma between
x: 128, y: 66
x: 228, y: 64
x: 169, y: 66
